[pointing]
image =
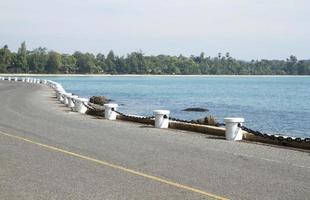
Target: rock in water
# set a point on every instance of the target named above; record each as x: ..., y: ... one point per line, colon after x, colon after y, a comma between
x: 209, y: 120
x: 99, y: 100
x: 196, y: 110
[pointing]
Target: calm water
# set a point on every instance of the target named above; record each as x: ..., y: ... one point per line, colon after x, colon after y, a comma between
x: 271, y: 104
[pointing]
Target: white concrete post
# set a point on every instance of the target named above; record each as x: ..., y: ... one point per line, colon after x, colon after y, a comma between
x: 9, y: 78
x: 23, y: 79
x: 233, y: 132
x: 44, y: 82
x: 65, y: 99
x: 61, y: 98
x: 15, y: 79
x: 59, y: 93
x: 79, y: 105
x: 109, y: 111
x: 70, y: 101
x: 161, y: 118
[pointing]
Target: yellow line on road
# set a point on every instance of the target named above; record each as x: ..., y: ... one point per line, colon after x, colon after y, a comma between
x: 121, y: 168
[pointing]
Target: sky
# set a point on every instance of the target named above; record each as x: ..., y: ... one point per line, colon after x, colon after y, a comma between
x: 248, y: 29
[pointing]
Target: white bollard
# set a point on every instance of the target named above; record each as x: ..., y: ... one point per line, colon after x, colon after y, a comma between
x: 79, y: 105
x: 44, y: 82
x: 61, y: 96
x: 15, y: 79
x: 59, y: 92
x: 161, y: 118
x: 9, y: 78
x: 23, y: 79
x: 71, y: 101
x: 233, y: 132
x: 109, y: 111
x: 73, y: 104
x: 66, y: 100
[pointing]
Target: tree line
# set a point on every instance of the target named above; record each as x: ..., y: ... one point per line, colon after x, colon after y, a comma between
x: 42, y: 61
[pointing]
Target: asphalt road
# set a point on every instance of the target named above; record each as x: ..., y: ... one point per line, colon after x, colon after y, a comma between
x: 49, y: 152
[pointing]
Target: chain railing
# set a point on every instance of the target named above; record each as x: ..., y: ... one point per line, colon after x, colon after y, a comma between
x: 132, y: 116
x: 280, y: 138
x: 195, y: 122
x: 184, y: 121
x: 91, y: 107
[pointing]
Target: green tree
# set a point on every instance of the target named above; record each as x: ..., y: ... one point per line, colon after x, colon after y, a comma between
x: 5, y: 59
x: 53, y: 63
x: 86, y: 63
x: 68, y: 64
x: 21, y: 59
x: 37, y: 59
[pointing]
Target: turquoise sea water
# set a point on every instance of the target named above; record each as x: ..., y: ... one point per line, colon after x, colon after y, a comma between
x: 270, y: 104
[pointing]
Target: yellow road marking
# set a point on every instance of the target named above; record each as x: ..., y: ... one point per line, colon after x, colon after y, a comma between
x: 131, y: 171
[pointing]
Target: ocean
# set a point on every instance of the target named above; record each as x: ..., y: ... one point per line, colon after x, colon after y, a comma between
x: 272, y: 104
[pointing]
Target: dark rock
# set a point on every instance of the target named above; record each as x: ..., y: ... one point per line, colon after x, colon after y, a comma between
x: 99, y: 100
x: 95, y: 109
x: 196, y: 110
x: 209, y: 120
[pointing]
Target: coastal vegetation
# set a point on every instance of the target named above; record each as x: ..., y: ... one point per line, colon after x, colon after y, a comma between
x: 40, y: 60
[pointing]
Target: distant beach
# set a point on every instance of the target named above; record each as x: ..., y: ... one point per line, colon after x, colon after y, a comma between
x: 155, y: 75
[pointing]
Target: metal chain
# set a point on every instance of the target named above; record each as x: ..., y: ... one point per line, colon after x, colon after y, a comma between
x: 91, y: 108
x: 192, y: 121
x: 184, y: 121
x: 274, y: 137
x: 131, y: 116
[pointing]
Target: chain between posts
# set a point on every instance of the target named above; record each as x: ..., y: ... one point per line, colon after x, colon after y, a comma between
x: 184, y: 121
x: 256, y: 133
x: 192, y: 121
x: 91, y: 108
x: 131, y: 116
x: 274, y: 137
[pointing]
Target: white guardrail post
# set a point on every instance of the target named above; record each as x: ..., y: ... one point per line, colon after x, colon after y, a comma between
x: 79, y: 105
x: 109, y: 111
x: 71, y: 101
x: 161, y: 118
x: 66, y: 100
x: 233, y: 132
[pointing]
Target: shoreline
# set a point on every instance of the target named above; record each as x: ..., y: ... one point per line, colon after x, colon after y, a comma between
x: 147, y: 75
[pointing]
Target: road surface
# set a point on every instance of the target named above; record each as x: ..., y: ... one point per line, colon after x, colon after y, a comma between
x: 49, y: 152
